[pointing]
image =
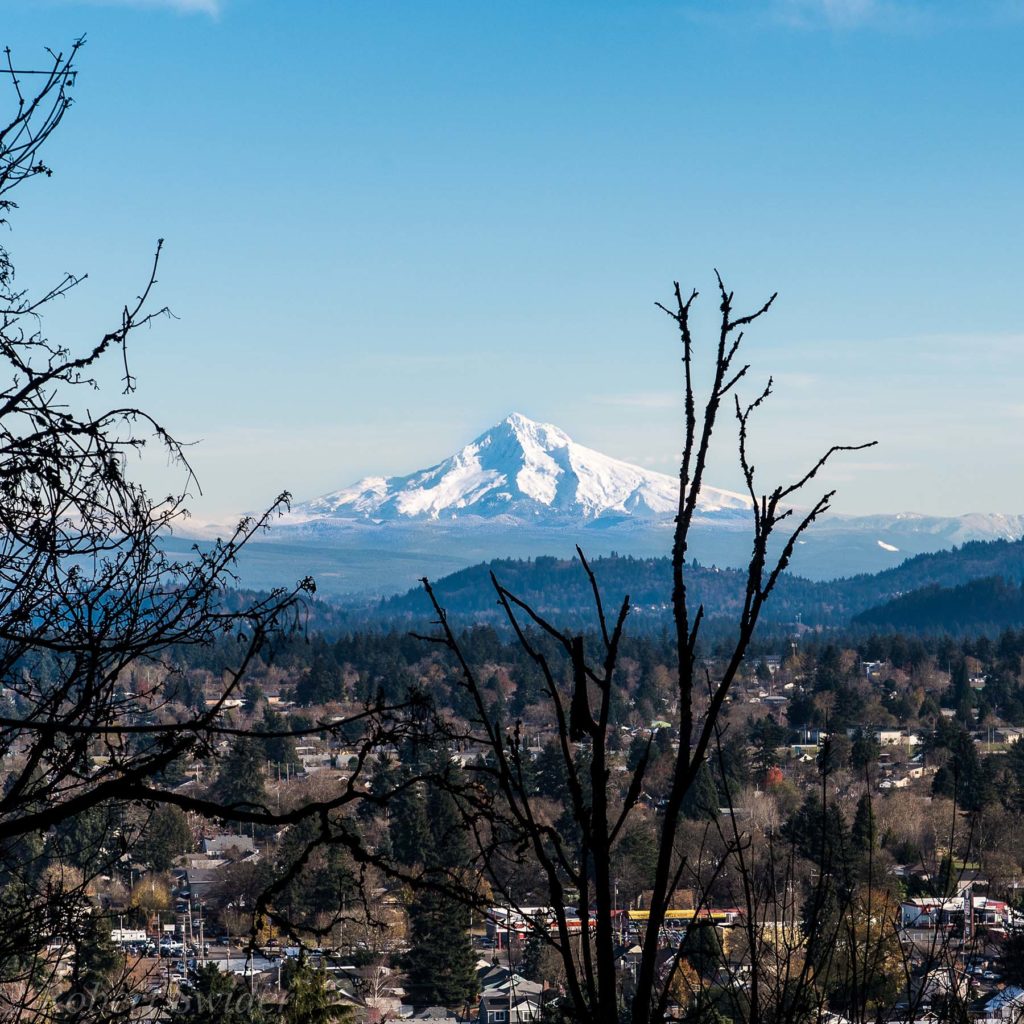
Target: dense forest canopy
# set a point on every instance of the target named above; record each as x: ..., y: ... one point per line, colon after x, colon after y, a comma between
x: 966, y: 589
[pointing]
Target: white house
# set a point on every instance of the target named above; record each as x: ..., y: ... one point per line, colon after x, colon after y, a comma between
x: 512, y: 1001
x: 1005, y: 1006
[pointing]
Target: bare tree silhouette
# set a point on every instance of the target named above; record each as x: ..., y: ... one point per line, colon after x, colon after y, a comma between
x: 503, y: 813
x: 94, y: 613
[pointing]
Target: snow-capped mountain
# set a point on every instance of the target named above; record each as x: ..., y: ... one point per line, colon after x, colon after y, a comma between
x: 523, y: 471
x: 524, y: 489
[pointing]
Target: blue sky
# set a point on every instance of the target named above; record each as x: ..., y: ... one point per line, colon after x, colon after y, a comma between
x: 389, y: 224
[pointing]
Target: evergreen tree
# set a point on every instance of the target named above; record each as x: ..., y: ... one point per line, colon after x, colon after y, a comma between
x: 865, y: 751
x: 311, y: 999
x: 828, y: 673
x: 549, y: 771
x: 929, y: 710
x: 702, y: 947
x: 185, y: 689
x: 819, y: 835
x: 636, y: 860
x: 900, y: 705
x: 701, y: 800
x: 165, y: 838
x: 639, y: 748
x: 766, y: 736
x: 863, y: 838
x: 499, y: 708
x: 730, y: 765
x: 524, y: 764
x: 964, y: 777
x: 1015, y: 774
x: 216, y: 998
x: 449, y: 848
x: 408, y: 826
x: 567, y: 824
x: 533, y: 951
x: 382, y: 780
x: 279, y: 750
x: 1012, y: 963
x: 961, y: 697
x: 530, y: 690
x: 834, y: 753
x: 252, y: 695
x: 240, y: 781
x: 95, y: 965
x: 822, y: 920
x: 863, y: 835
x: 440, y: 964
x: 802, y: 711
x: 322, y: 883
x: 322, y: 683
x: 87, y: 840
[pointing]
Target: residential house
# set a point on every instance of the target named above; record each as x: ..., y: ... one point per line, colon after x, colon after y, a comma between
x: 312, y: 759
x: 513, y: 1001
x: 1008, y: 734
x: 438, y: 1015
x: 218, y: 846
x: 1004, y: 1007
x: 890, y: 737
x: 924, y: 912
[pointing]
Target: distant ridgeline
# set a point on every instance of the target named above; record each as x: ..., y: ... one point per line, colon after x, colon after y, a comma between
x: 976, y: 587
x: 981, y: 606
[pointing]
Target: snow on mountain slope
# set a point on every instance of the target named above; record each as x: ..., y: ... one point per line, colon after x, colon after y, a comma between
x: 524, y: 489
x: 520, y: 469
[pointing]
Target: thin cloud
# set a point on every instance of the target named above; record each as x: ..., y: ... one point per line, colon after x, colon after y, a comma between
x: 841, y: 13
x: 860, y: 15
x: 211, y: 8
x: 896, y: 15
x: 641, y: 400
x: 845, y: 13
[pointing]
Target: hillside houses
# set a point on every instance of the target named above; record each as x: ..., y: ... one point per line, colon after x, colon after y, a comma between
x: 936, y: 913
x: 508, y: 998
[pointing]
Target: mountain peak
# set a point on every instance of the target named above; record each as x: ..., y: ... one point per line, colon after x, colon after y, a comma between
x: 531, y: 432
x: 521, y: 470
x: 518, y: 420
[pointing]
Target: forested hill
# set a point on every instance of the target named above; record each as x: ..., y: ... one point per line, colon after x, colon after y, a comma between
x: 560, y: 588
x: 974, y: 560
x: 981, y: 606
